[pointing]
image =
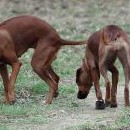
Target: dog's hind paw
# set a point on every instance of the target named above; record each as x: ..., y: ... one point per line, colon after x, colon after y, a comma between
x: 55, y: 94
x: 107, y: 103
x: 113, y: 105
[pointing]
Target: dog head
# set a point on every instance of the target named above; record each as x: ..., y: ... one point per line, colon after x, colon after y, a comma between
x: 84, y: 82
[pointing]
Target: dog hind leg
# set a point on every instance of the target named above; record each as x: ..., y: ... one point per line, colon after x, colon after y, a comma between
x: 115, y: 76
x: 10, y: 57
x: 41, y: 60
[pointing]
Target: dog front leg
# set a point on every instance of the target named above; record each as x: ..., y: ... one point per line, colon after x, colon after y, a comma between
x: 127, y: 79
x: 15, y: 70
x: 124, y: 57
x: 103, y: 71
x: 115, y: 76
x: 5, y: 78
x: 96, y: 76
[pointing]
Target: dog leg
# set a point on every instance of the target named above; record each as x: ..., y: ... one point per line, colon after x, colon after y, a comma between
x: 96, y: 76
x: 15, y: 70
x: 115, y: 76
x: 103, y: 70
x: 126, y: 90
x: 124, y: 58
x: 103, y: 53
x: 10, y: 57
x: 5, y: 77
x: 56, y: 79
x: 108, y: 86
x: 41, y: 60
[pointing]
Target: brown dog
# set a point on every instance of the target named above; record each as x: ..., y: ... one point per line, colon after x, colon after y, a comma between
x: 19, y: 34
x: 102, y: 49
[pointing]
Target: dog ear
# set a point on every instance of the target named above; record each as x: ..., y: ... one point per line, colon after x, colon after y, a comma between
x: 78, y: 74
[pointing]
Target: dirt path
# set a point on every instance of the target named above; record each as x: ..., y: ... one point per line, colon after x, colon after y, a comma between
x: 76, y: 113
x: 85, y: 114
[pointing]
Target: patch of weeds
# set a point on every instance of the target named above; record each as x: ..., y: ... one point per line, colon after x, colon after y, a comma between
x: 124, y: 120
x: 68, y: 60
x: 13, y: 110
x: 3, y: 127
x: 79, y: 37
x: 126, y: 26
x: 85, y: 126
x: 62, y: 66
x: 39, y: 88
x: 38, y: 119
x: 23, y: 113
x: 67, y: 89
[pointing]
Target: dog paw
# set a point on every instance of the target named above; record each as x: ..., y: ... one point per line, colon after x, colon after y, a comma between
x: 100, y: 105
x: 113, y: 105
x: 55, y: 94
x: 107, y: 103
x: 12, y: 102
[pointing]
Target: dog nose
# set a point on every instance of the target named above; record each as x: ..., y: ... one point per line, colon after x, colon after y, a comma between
x: 82, y: 95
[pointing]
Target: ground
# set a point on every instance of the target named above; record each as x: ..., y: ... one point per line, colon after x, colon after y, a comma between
x: 74, y: 20
x: 67, y: 113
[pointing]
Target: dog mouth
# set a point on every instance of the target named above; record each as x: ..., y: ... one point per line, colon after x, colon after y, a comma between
x: 82, y: 95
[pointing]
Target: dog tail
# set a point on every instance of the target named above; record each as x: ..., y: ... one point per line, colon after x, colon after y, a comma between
x: 66, y: 42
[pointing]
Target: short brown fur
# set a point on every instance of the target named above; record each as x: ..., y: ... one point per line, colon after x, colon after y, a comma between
x: 19, y: 34
x: 102, y: 49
